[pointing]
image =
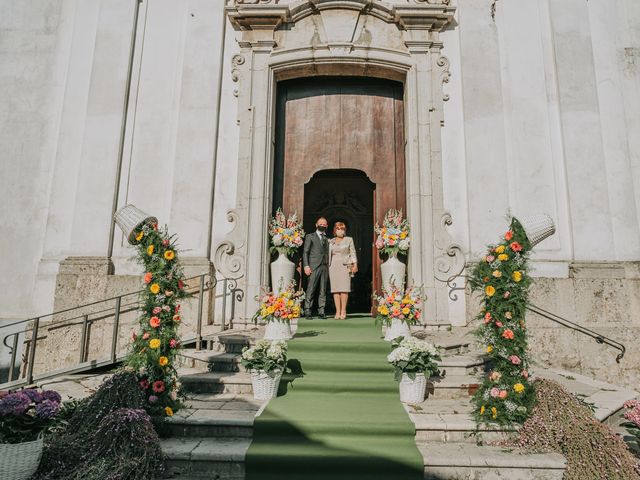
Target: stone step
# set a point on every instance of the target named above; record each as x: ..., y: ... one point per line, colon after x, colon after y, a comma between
x: 217, y: 382
x: 211, y: 360
x: 451, y: 421
x: 462, y: 364
x: 466, y: 461
x: 200, y: 458
x: 460, y: 386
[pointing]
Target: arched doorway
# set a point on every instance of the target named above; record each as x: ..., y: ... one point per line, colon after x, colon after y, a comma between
x: 346, y: 195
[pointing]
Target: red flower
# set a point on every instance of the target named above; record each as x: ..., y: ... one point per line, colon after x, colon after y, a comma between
x: 158, y: 386
x: 177, y: 308
x: 180, y: 284
x: 144, y: 384
x: 515, y: 246
x: 173, y: 343
x: 508, y: 236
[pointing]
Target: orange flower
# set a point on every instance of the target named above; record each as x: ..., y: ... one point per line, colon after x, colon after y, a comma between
x: 489, y: 291
x: 148, y: 277
x: 515, y: 246
x: 169, y: 254
x: 508, y: 334
x: 163, y: 361
x: 154, y: 322
x: 168, y: 411
x: 155, y: 288
x: 150, y: 250
x: 508, y: 236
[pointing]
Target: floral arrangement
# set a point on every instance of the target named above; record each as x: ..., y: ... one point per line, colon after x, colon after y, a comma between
x: 393, y: 236
x: 25, y: 414
x: 286, y: 235
x: 505, y: 396
x: 280, y: 307
x: 399, y: 305
x: 632, y: 424
x: 413, y: 356
x: 156, y: 344
x: 265, y: 356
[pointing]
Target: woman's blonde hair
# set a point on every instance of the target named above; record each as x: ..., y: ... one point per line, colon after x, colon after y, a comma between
x: 338, y: 225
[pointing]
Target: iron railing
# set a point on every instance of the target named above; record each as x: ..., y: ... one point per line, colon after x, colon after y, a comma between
x: 451, y: 282
x: 221, y: 294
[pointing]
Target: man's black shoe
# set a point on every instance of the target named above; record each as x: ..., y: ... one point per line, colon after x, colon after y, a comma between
x: 308, y: 315
x: 322, y: 315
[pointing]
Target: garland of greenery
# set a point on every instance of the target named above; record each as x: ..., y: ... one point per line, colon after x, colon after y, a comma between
x: 155, y: 346
x: 505, y: 396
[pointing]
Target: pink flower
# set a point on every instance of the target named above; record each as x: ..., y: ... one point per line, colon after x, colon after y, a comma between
x: 166, y: 308
x: 490, y: 258
x: 503, y: 394
x: 156, y: 310
x: 165, y: 242
x: 515, y: 359
x: 379, y: 243
x: 525, y: 374
x: 499, y: 324
x: 144, y: 384
x: 133, y: 336
x: 487, y: 317
x: 173, y: 343
x: 177, y: 308
x: 494, y: 392
x: 145, y: 336
x: 158, y: 386
x: 506, y: 295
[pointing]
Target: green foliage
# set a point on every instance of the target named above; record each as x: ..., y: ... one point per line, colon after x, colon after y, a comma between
x: 505, y: 396
x: 156, y: 344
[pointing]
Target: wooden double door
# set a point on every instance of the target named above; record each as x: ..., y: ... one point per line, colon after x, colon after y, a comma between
x: 339, y: 153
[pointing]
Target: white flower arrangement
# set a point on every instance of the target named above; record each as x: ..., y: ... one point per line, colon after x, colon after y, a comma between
x: 413, y: 356
x: 265, y: 356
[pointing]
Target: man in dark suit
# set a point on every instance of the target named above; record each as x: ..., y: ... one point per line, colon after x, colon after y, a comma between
x: 315, y: 261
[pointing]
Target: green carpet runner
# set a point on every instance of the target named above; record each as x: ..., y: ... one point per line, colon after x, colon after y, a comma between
x: 343, y: 418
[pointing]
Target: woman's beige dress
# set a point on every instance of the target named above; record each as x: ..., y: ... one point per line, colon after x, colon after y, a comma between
x: 343, y: 253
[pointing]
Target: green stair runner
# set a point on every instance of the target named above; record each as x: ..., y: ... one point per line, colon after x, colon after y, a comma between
x: 343, y: 418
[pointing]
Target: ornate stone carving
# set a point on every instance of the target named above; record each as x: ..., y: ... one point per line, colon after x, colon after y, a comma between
x: 434, y: 2
x: 227, y: 259
x: 451, y: 262
x: 446, y: 74
x: 254, y: 2
x: 236, y: 61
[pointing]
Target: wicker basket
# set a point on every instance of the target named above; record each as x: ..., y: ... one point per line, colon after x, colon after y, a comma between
x: 277, y: 330
x: 19, y: 461
x: 537, y: 228
x: 412, y: 391
x: 130, y: 219
x: 264, y: 386
x: 398, y: 328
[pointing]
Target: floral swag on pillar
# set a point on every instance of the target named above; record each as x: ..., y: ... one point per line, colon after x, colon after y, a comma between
x: 506, y: 396
x: 156, y: 344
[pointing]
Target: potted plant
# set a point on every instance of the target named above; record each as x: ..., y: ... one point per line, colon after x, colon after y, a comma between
x: 398, y: 309
x: 24, y: 416
x: 265, y: 361
x: 278, y: 310
x: 393, y: 238
x: 286, y: 237
x: 414, y: 361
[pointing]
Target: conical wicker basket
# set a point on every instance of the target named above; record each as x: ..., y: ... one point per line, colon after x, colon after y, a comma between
x: 264, y: 386
x: 19, y: 461
x: 537, y: 227
x: 130, y: 219
x: 413, y: 391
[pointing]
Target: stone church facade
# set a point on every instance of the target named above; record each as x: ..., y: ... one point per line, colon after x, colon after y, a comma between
x: 209, y: 114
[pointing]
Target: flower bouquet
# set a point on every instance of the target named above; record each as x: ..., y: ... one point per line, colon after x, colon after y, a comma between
x: 266, y: 362
x: 398, y: 309
x: 286, y: 234
x: 278, y: 310
x: 414, y: 361
x: 393, y: 236
x: 24, y: 416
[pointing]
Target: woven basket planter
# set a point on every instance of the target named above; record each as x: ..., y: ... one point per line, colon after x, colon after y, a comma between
x: 19, y: 461
x: 413, y: 391
x: 264, y: 386
x: 277, y: 330
x: 130, y: 219
x: 537, y: 228
x: 398, y: 328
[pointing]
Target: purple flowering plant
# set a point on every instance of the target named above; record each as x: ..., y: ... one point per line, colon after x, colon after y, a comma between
x: 27, y: 413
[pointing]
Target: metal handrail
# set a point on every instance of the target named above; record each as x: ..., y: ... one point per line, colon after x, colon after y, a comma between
x: 206, y: 283
x: 598, y: 337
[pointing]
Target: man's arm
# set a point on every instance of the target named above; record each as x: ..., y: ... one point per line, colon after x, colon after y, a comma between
x: 305, y: 251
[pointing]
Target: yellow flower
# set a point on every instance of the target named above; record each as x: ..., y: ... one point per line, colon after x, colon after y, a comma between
x: 139, y: 235
x: 503, y: 257
x: 403, y: 235
x: 406, y: 310
x: 290, y: 303
x: 497, y: 273
x: 482, y: 410
x: 383, y: 310
x: 154, y: 343
x: 517, y: 276
x: 163, y: 361
x: 154, y: 288
x: 518, y: 388
x: 494, y: 412
x: 150, y: 250
x: 500, y: 249
x: 490, y: 291
x: 169, y: 254
x: 489, y: 348
x: 168, y: 411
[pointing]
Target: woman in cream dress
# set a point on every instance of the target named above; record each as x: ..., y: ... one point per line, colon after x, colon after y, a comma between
x: 342, y: 264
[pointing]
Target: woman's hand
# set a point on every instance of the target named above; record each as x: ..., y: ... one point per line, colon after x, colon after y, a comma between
x: 354, y: 268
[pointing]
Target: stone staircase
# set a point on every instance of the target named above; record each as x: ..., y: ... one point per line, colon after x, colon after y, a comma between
x: 209, y: 438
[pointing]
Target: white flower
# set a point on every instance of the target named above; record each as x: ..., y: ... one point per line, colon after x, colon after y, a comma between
x: 404, y: 244
x: 399, y: 354
x: 510, y: 406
